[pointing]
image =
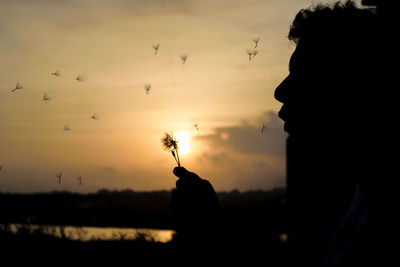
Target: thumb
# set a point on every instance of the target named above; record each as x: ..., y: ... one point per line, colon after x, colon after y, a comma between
x: 181, y: 172
x: 186, y: 178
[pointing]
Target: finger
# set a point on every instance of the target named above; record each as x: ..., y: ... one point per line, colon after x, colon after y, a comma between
x: 180, y: 172
x: 179, y: 183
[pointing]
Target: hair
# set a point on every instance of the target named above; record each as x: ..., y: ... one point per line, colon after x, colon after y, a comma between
x: 349, y: 51
x: 335, y: 22
x: 348, y: 37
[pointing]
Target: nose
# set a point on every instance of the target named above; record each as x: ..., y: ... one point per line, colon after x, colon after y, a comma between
x: 281, y: 92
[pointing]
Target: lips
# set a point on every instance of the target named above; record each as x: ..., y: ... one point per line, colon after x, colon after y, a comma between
x: 282, y: 114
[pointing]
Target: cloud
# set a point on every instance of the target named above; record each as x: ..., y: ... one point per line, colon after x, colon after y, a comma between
x: 248, y: 139
x: 227, y: 171
x: 243, y: 157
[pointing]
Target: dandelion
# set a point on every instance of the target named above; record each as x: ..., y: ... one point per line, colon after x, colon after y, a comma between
x: 196, y: 125
x: 46, y: 97
x: 79, y: 178
x: 94, y: 116
x: 155, y: 47
x: 255, y: 40
x: 59, y: 175
x: 17, y: 87
x: 183, y: 58
x: 56, y: 73
x: 147, y: 87
x: 67, y: 127
x: 250, y: 53
x: 171, y: 144
x: 80, y: 78
x: 255, y: 52
x: 262, y: 128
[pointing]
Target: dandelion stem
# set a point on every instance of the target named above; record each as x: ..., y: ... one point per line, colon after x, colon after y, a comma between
x: 177, y: 154
x: 173, y: 154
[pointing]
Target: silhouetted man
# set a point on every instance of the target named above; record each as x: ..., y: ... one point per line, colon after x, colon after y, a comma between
x: 331, y: 101
x: 332, y: 107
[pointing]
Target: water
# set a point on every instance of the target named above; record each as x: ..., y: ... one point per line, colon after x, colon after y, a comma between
x: 98, y: 233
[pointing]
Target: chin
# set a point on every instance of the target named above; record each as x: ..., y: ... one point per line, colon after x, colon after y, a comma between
x: 287, y: 128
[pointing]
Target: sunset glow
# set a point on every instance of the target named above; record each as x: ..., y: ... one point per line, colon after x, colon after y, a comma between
x: 101, y: 81
x: 183, y: 138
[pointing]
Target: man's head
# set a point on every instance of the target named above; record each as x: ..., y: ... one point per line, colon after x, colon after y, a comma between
x: 332, y: 84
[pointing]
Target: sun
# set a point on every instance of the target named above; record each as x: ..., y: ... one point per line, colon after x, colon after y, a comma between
x: 183, y: 138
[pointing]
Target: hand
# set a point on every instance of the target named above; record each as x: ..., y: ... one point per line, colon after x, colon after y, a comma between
x: 194, y: 204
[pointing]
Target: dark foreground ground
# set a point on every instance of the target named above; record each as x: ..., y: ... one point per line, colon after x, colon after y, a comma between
x: 36, y: 248
x: 255, y: 223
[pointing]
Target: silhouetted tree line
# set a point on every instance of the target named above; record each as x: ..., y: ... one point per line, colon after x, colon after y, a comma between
x: 127, y: 208
x: 253, y: 222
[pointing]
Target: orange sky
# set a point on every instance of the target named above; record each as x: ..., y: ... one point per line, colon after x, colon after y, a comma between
x: 110, y: 44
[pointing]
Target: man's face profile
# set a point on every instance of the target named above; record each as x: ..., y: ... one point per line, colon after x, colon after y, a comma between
x: 314, y: 94
x: 295, y: 91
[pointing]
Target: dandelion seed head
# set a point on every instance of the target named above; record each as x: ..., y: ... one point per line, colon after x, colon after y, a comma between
x: 169, y: 142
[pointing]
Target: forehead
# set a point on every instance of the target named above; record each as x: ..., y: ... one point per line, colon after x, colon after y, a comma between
x: 306, y: 57
x: 298, y: 57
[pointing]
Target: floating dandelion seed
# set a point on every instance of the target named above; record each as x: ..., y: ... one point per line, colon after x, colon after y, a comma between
x: 17, y: 87
x: 80, y: 78
x: 46, y: 97
x: 67, y: 127
x: 94, y: 116
x: 196, y: 125
x: 79, y: 178
x: 155, y: 47
x: 183, y: 58
x: 147, y: 87
x: 255, y: 40
x: 56, y: 73
x: 59, y: 175
x: 263, y: 128
x: 255, y: 52
x: 250, y: 53
x: 171, y: 144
